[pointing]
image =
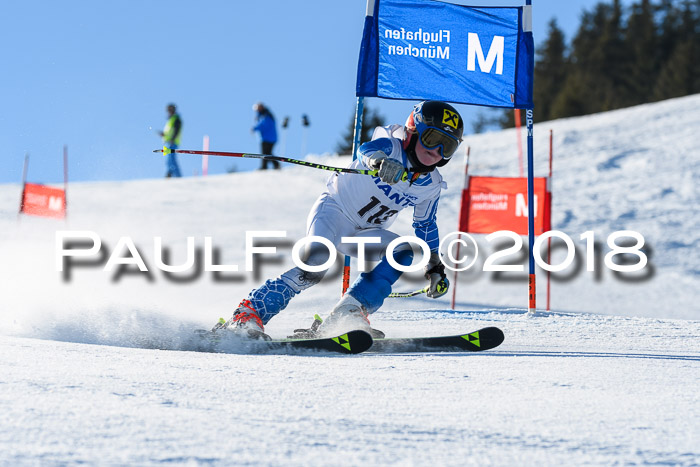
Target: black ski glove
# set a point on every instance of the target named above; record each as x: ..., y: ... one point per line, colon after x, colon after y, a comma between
x: 435, y: 273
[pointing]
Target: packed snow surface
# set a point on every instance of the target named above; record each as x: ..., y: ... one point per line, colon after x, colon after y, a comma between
x: 97, y: 366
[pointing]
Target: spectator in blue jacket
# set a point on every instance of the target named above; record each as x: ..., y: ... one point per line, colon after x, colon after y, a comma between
x: 265, y: 125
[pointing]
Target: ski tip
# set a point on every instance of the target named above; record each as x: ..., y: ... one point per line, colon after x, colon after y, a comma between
x: 353, y: 342
x: 495, y: 332
x: 488, y: 338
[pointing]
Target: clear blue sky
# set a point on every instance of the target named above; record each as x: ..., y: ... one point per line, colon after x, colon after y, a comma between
x: 97, y: 75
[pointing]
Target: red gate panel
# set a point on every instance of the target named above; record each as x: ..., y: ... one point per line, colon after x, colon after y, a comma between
x: 490, y: 204
x: 42, y: 200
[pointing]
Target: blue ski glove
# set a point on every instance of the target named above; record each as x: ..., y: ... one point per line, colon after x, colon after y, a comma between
x: 435, y: 273
x: 390, y: 170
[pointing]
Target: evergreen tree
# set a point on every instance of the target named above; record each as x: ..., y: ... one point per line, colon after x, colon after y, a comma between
x: 669, y: 28
x: 579, y: 90
x: 371, y: 119
x: 617, y: 58
x: 680, y: 73
x: 596, y: 76
x: 680, y: 76
x: 573, y: 100
x: 550, y: 72
x: 642, y: 47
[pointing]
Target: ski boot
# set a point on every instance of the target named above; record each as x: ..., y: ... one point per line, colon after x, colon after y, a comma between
x: 348, y: 314
x: 245, y: 321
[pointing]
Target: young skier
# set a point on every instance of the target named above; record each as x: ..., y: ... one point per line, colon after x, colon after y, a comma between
x: 361, y: 206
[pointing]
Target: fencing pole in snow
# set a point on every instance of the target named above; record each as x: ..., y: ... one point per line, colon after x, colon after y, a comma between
x: 304, y: 133
x: 549, y: 202
x: 24, y: 185
x: 532, y: 286
x: 205, y: 157
x: 65, y: 180
x: 519, y: 141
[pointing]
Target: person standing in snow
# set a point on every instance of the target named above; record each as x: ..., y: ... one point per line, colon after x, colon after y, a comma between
x: 171, y: 138
x: 407, y: 158
x: 265, y: 125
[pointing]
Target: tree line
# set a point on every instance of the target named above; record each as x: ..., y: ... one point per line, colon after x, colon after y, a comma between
x: 619, y: 57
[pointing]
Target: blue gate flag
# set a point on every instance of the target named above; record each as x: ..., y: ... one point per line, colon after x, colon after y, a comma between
x: 427, y: 49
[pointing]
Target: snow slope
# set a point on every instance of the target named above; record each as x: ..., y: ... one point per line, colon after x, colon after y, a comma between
x: 95, y: 367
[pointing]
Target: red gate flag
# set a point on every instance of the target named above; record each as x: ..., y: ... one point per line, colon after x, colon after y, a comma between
x: 42, y: 200
x: 490, y: 204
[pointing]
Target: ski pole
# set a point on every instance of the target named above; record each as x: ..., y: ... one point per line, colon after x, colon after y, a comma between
x: 408, y: 294
x: 314, y: 165
x: 442, y: 283
x: 166, y: 150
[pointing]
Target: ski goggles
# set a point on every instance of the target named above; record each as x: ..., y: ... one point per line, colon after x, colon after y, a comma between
x: 431, y: 138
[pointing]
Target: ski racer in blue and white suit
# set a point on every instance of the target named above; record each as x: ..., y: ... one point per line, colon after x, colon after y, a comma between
x: 362, y: 206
